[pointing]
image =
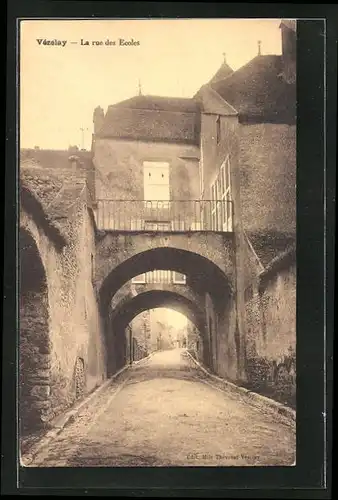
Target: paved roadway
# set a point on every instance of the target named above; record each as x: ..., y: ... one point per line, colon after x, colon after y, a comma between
x: 164, y: 412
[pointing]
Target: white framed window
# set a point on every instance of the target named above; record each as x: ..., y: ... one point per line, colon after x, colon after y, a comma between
x: 157, y: 226
x: 156, y: 183
x: 226, y: 196
x: 221, y: 208
x: 140, y: 279
x: 218, y: 129
x: 201, y: 171
x: 179, y: 278
x: 158, y: 276
x: 213, y: 207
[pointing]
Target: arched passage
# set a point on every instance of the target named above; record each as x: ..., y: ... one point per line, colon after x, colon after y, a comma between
x: 213, y: 283
x: 203, y: 274
x: 34, y: 341
x: 129, y: 309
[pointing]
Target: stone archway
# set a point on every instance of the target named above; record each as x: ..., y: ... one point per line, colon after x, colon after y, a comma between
x: 34, y: 340
x: 203, y: 272
x: 130, y: 308
x: 208, y: 278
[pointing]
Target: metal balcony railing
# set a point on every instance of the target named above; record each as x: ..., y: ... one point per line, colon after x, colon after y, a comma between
x: 167, y: 216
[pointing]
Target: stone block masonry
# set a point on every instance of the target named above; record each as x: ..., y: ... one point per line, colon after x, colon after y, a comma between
x: 72, y: 327
x: 271, y: 333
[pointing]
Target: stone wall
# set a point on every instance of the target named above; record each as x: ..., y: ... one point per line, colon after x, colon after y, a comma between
x: 178, y: 249
x: 213, y: 153
x: 266, y: 204
x: 271, y: 333
x: 34, y: 360
x: 267, y: 162
x: 74, y: 323
x: 141, y: 329
x: 116, y: 258
x: 119, y: 168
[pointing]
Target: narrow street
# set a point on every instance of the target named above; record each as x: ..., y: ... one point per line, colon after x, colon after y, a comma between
x: 164, y: 412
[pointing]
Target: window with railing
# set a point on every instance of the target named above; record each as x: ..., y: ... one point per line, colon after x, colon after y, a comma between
x: 178, y: 216
x: 160, y: 276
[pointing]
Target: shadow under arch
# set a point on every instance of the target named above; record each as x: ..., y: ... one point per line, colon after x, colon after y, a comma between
x: 34, y: 340
x: 128, y: 310
x: 154, y: 299
x: 203, y: 273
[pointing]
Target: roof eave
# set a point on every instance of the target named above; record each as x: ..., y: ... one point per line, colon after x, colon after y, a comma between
x: 233, y: 111
x: 147, y: 139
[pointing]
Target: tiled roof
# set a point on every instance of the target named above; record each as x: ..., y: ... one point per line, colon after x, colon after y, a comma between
x: 160, y: 120
x: 289, y: 23
x: 269, y: 245
x: 152, y: 102
x: 55, y: 158
x: 282, y: 260
x: 59, y: 192
x: 223, y: 72
x: 257, y: 90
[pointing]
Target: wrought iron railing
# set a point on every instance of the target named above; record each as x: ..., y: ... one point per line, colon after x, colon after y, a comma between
x: 168, y: 216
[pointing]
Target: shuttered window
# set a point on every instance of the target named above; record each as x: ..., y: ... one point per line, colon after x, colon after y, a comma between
x: 156, y: 181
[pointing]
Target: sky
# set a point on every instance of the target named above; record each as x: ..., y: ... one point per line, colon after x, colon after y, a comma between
x: 171, y: 317
x: 60, y: 86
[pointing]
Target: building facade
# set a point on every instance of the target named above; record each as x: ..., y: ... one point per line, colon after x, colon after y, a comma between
x: 182, y: 203
x: 218, y: 161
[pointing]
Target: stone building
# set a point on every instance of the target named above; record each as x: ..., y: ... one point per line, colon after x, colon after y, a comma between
x: 61, y: 347
x: 200, y: 189
x: 232, y: 147
x: 248, y: 155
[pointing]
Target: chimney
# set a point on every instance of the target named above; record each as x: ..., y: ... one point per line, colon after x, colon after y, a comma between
x: 74, y: 162
x: 98, y: 119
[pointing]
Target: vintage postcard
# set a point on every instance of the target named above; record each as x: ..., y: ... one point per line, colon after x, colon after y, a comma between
x: 157, y: 242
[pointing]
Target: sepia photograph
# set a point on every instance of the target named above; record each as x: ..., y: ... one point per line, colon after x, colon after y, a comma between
x: 157, y: 242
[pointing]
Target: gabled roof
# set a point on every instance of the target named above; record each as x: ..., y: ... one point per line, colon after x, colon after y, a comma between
x: 289, y: 23
x: 211, y: 102
x: 257, y: 90
x: 153, y: 118
x: 223, y: 72
x: 159, y: 103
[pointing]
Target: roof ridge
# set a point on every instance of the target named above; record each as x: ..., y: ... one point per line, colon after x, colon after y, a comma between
x: 235, y: 73
x: 185, y: 112
x: 224, y: 66
x: 147, y: 99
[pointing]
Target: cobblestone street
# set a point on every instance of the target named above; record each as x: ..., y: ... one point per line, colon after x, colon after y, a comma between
x: 163, y: 412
